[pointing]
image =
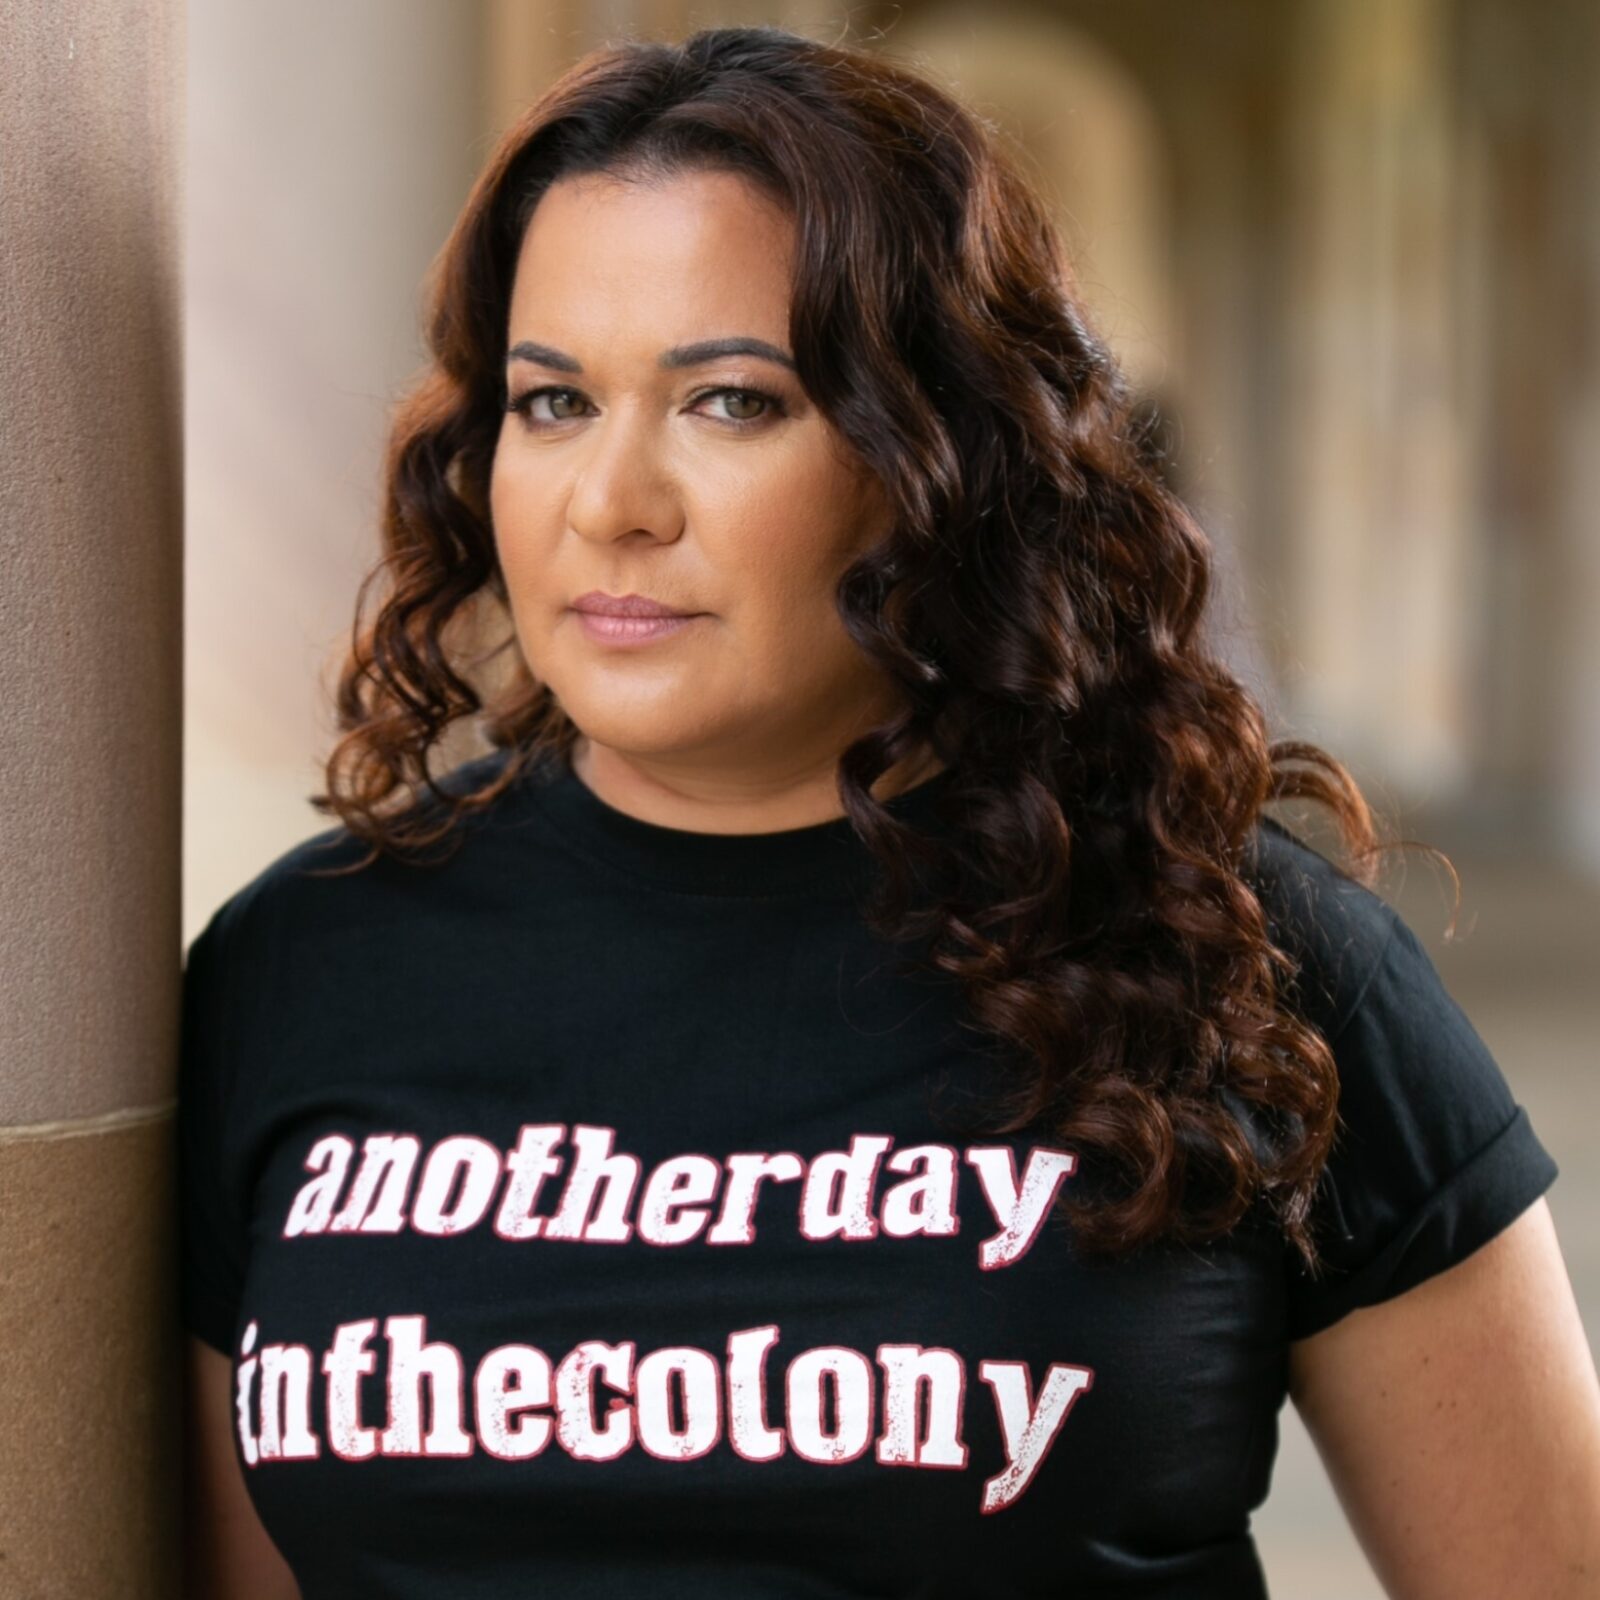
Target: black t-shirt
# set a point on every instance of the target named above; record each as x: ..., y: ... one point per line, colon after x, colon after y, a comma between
x: 592, y: 1214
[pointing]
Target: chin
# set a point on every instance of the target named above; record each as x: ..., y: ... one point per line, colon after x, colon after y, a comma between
x: 646, y: 735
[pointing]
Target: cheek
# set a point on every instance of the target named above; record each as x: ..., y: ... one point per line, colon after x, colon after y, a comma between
x: 786, y: 571
x: 519, y: 521
x: 785, y: 555
x: 802, y: 524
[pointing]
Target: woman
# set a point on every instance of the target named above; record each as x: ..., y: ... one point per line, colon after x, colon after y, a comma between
x: 858, y: 1015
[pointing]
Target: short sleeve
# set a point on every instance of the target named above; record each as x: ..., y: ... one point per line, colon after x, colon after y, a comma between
x: 211, y: 1239
x: 1433, y: 1157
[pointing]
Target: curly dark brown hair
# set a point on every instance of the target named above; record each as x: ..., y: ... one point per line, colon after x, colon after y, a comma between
x: 1038, y: 604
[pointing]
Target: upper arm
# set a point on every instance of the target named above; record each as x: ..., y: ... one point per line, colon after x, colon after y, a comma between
x: 228, y: 1554
x: 1459, y: 1423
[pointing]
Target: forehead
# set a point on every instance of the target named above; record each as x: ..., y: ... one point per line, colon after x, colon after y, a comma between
x: 665, y: 259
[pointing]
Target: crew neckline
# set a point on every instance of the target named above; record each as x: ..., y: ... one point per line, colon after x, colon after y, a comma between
x: 822, y: 860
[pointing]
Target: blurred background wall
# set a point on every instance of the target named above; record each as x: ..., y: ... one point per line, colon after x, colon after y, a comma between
x: 1349, y: 251
x: 91, y: 663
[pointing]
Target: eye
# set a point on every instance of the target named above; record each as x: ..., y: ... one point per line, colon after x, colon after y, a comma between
x: 740, y: 399
x: 745, y: 397
x: 522, y: 405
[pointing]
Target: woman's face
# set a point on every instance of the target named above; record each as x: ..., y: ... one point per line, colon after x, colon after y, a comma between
x: 706, y: 481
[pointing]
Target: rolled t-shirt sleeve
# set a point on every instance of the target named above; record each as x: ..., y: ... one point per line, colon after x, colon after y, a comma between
x: 1434, y: 1156
x: 212, y: 1248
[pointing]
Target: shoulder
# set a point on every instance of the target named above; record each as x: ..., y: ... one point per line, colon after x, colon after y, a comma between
x: 1433, y: 1154
x: 1338, y: 932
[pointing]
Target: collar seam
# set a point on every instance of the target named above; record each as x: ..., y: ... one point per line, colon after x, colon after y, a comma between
x: 643, y: 880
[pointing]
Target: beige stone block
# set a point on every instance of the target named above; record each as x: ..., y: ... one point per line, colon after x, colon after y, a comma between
x: 89, y: 1370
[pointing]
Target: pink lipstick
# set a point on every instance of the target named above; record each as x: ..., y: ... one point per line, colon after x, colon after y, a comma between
x: 629, y: 618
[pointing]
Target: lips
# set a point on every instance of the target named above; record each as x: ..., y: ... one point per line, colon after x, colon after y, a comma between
x: 599, y: 604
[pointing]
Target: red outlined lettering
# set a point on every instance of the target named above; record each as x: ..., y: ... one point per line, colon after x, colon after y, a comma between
x: 377, y: 1198
x: 346, y: 1363
x: 581, y: 1437
x: 837, y: 1197
x: 1029, y: 1431
x: 414, y: 1360
x: 748, y: 1433
x: 698, y: 1386
x: 593, y: 1166
x: 925, y: 1203
x: 286, y: 1393
x: 329, y: 1157
x: 909, y: 1373
x: 746, y: 1170
x: 1020, y: 1209
x: 528, y: 1163
x: 510, y: 1379
x: 671, y: 1209
x: 244, y: 1379
x: 675, y: 1403
x: 848, y: 1374
x: 475, y: 1164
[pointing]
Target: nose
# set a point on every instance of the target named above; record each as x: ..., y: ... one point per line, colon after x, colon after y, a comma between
x: 621, y: 482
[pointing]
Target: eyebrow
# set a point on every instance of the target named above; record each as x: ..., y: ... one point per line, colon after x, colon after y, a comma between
x: 681, y: 355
